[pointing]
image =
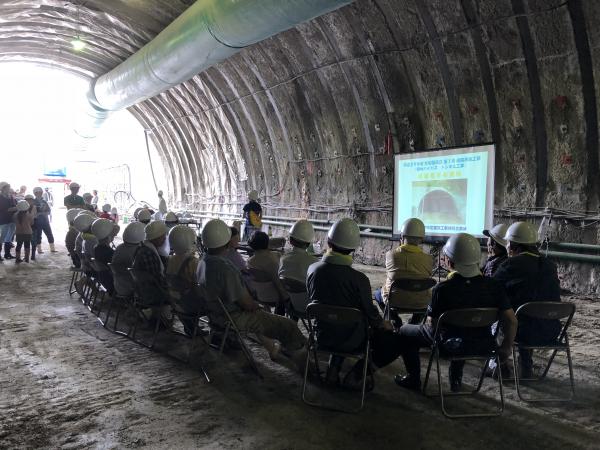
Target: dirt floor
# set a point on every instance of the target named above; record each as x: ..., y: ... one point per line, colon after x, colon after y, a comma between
x: 67, y: 382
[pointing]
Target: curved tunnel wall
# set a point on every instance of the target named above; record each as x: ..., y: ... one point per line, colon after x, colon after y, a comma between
x: 303, y: 116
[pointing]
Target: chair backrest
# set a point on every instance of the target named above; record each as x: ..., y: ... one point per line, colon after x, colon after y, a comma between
x: 122, y: 279
x: 276, y: 243
x: 468, y: 318
x: 263, y: 284
x: 297, y: 291
x: 260, y: 276
x: 336, y: 315
x: 145, y: 286
x: 98, y: 266
x: 412, y: 285
x: 547, y: 310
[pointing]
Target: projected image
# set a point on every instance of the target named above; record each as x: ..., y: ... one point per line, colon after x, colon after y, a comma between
x: 440, y: 201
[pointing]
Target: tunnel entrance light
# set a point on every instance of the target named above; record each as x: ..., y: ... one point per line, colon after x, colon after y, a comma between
x: 78, y: 44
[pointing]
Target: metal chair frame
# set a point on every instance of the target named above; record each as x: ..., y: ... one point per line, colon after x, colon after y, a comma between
x: 295, y: 287
x: 410, y: 285
x: 465, y: 318
x: 118, y: 300
x: 339, y: 315
x: 546, y: 311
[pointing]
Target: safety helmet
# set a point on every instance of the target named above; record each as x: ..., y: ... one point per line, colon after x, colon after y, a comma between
x: 521, y: 233
x: 303, y: 231
x: 114, y: 211
x: 215, y: 234
x: 171, y: 217
x: 102, y: 228
x: 136, y: 212
x: 144, y: 216
x: 465, y: 252
x: 253, y: 195
x: 87, y: 195
x: 345, y: 234
x: 155, y: 229
x: 3, y: 184
x: 413, y: 227
x: 106, y: 208
x: 72, y: 213
x: 29, y: 197
x: 38, y: 190
x: 134, y: 233
x: 497, y: 233
x: 74, y: 185
x: 22, y: 205
x: 182, y: 239
x: 83, y: 221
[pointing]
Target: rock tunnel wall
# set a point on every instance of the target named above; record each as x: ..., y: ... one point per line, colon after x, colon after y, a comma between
x: 303, y: 117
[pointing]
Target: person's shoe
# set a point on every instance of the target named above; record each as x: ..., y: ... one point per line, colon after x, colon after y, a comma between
x: 18, y: 260
x: 7, y: 247
x: 455, y: 380
x: 408, y: 382
x: 39, y: 249
x: 52, y: 248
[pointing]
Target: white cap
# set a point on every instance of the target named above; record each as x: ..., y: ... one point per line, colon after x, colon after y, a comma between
x: 38, y: 189
x: 215, y: 234
x: 465, y: 253
x: 134, y: 233
x: 144, y: 216
x: 171, y: 217
x: 102, y: 228
x: 72, y: 213
x: 497, y: 233
x: 413, y: 227
x: 3, y: 184
x: 253, y: 195
x: 114, y: 211
x: 83, y: 221
x: 22, y: 205
x: 155, y: 229
x: 182, y: 239
x: 106, y: 207
x: 74, y: 185
x: 87, y: 195
x: 521, y: 233
x: 345, y: 234
x: 303, y: 231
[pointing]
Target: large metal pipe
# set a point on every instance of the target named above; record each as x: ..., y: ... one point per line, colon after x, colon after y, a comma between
x: 207, y: 33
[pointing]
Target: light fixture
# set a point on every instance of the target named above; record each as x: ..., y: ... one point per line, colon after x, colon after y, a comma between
x: 78, y: 44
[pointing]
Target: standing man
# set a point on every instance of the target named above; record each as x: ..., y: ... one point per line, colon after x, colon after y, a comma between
x: 42, y: 222
x: 162, y: 206
x: 252, y: 215
x: 74, y: 200
x: 8, y: 206
x: 95, y: 198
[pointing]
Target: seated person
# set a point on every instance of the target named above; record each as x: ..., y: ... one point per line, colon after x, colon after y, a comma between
x: 171, y: 219
x: 88, y: 205
x: 149, y: 261
x: 72, y: 236
x: 464, y: 287
x: 527, y: 277
x: 221, y: 279
x: 333, y: 281
x: 267, y: 261
x: 125, y: 254
x: 181, y: 272
x: 144, y: 216
x: 106, y: 212
x: 232, y: 254
x: 83, y: 224
x: 408, y: 261
x: 295, y: 263
x: 496, y: 246
x: 104, y: 230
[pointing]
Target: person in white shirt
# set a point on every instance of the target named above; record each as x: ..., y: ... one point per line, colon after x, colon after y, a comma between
x: 294, y: 264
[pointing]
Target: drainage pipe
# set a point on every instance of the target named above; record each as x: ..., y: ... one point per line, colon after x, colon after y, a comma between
x: 207, y: 33
x: 575, y: 246
x: 575, y: 257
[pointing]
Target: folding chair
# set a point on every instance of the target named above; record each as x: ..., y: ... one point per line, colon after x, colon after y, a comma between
x: 77, y: 273
x: 298, y: 298
x: 464, y: 318
x: 335, y: 316
x: 263, y: 284
x: 547, y: 311
x: 121, y: 276
x: 87, y: 291
x: 144, y: 296
x: 395, y: 301
x: 101, y: 270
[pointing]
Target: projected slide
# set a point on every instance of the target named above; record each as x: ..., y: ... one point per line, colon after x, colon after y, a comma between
x: 450, y: 190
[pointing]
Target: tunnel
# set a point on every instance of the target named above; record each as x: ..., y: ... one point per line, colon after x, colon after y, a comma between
x: 308, y: 103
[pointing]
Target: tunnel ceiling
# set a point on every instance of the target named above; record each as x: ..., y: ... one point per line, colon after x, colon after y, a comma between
x: 305, y: 117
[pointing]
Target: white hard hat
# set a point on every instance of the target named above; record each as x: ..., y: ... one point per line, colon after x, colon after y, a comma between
x: 465, y: 252
x: 136, y: 212
x: 521, y: 233
x: 497, y: 233
x: 114, y: 211
x: 3, y: 184
x: 102, y: 228
x: 87, y: 195
x: 83, y: 221
x: 38, y: 189
x: 345, y: 234
x: 303, y: 231
x: 144, y: 216
x: 106, y: 207
x: 182, y: 239
x: 29, y: 197
x: 215, y: 234
x: 413, y: 227
x: 134, y: 233
x: 74, y: 185
x: 155, y: 229
x: 171, y: 217
x: 72, y: 213
x: 253, y: 195
x: 22, y: 205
